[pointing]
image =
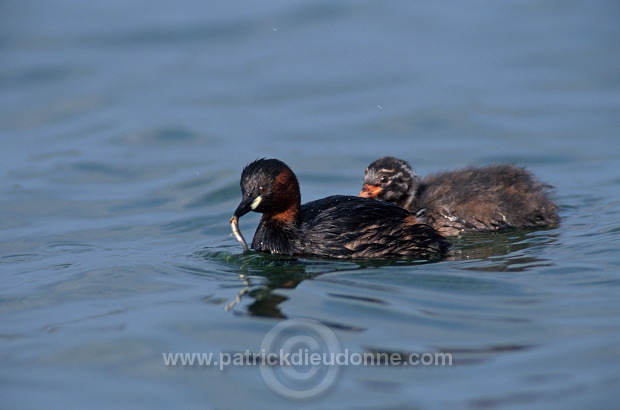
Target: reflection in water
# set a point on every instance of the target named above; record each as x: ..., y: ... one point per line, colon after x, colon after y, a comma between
x: 503, y: 251
x: 266, y: 304
x: 263, y: 274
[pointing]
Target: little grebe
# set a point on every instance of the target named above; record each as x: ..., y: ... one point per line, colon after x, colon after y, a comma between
x: 486, y: 198
x: 334, y: 227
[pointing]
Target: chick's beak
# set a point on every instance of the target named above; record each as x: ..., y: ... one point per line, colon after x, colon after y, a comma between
x: 370, y: 191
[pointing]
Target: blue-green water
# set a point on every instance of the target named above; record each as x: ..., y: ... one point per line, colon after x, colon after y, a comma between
x: 124, y: 128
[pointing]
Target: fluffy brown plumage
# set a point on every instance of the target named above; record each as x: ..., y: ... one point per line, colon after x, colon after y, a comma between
x: 486, y: 198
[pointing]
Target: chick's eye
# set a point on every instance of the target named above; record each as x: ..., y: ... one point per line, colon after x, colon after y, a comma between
x: 384, y: 179
x: 261, y: 189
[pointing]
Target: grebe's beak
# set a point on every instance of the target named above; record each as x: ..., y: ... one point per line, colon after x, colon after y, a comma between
x: 247, y: 204
x: 370, y: 191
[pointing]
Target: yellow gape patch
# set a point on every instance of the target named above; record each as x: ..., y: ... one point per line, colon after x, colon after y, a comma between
x: 256, y: 202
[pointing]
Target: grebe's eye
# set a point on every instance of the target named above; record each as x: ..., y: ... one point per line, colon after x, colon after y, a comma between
x: 384, y: 179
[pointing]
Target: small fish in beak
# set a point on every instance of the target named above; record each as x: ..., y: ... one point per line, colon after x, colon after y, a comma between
x: 234, y: 224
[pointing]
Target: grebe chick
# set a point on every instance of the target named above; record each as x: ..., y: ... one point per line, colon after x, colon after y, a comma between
x: 486, y: 198
x: 334, y: 227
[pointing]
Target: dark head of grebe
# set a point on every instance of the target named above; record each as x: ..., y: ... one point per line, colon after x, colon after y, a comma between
x: 486, y: 198
x: 338, y: 226
x: 391, y: 179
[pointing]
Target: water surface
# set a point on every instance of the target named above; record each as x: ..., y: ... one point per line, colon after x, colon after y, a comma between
x: 125, y: 126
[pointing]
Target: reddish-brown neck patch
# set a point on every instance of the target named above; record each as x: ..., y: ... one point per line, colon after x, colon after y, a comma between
x: 288, y: 216
x: 286, y: 194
